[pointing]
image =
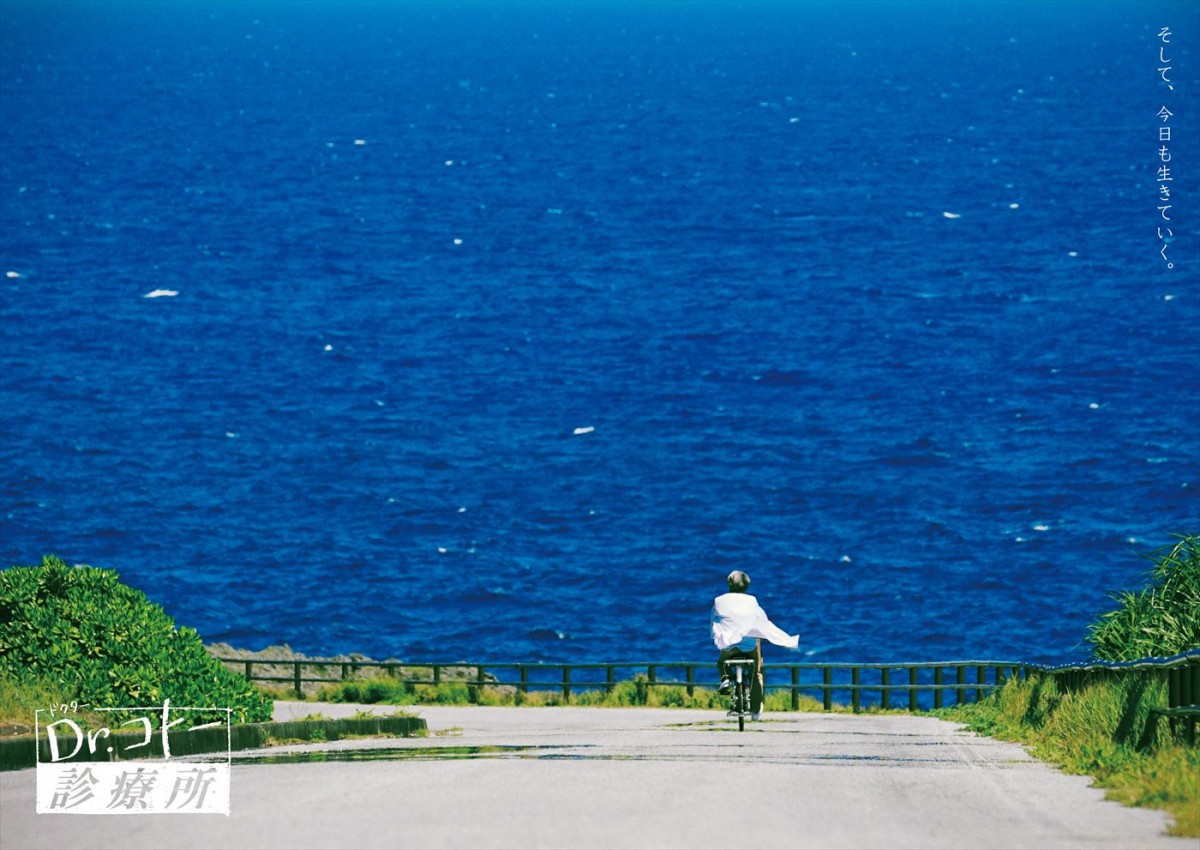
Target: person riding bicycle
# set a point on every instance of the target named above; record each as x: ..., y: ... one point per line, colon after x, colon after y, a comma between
x: 738, y: 621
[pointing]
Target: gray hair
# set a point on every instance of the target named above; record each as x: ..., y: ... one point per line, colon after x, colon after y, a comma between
x: 739, y: 582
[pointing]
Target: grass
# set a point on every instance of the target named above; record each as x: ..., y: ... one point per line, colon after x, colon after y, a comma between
x: 20, y: 700
x: 1097, y: 730
x: 628, y: 693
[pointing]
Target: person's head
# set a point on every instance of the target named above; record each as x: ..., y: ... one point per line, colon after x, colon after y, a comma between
x: 739, y: 582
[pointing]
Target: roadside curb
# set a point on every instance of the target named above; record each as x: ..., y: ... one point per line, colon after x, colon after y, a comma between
x: 26, y: 751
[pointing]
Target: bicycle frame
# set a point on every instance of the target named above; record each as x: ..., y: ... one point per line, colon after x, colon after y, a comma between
x: 742, y: 671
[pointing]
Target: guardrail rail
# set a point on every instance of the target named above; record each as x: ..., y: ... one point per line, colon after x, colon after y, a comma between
x: 911, y: 685
x: 888, y: 685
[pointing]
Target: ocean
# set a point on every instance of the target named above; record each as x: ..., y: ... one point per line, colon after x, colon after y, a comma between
x: 497, y: 331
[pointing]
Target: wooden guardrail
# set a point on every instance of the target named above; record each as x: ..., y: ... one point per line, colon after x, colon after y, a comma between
x: 887, y: 684
x: 1181, y: 673
x: 894, y: 685
x: 906, y: 685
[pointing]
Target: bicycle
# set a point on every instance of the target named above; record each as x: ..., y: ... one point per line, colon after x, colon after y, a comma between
x: 742, y: 673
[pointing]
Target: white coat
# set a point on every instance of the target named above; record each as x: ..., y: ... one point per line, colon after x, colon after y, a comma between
x: 736, y: 616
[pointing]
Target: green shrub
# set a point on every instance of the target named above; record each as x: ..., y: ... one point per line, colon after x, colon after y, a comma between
x: 83, y: 633
x: 1163, y: 618
x: 382, y: 690
x: 378, y: 689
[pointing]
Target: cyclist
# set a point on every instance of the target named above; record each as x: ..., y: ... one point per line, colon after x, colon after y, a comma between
x: 738, y: 621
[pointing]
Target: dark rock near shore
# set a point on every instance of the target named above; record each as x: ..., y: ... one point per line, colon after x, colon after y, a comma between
x: 275, y: 665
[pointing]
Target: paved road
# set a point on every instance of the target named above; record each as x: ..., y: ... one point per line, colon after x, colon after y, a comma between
x: 641, y: 778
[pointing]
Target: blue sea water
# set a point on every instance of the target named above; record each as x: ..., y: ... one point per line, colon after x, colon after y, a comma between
x: 504, y: 331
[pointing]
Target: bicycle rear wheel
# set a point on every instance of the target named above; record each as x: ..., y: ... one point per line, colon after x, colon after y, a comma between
x: 743, y: 701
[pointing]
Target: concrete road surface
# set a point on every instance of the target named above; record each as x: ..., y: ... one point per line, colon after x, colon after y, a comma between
x: 638, y: 778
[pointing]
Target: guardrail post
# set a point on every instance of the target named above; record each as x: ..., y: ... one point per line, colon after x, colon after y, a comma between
x: 827, y: 680
x: 937, y: 692
x: 566, y: 686
x: 524, y: 679
x: 691, y: 681
x: 854, y: 698
x: 479, y: 679
x: 912, y: 688
x: 1191, y: 687
x: 249, y: 668
x: 885, y: 693
x: 960, y: 677
x: 345, y: 672
x: 610, y: 677
x: 437, y: 674
x: 795, y: 689
x: 296, y: 677
x: 980, y: 679
x: 652, y: 674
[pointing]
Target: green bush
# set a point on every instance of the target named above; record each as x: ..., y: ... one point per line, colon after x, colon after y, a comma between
x: 82, y: 632
x: 1163, y: 618
x: 380, y: 689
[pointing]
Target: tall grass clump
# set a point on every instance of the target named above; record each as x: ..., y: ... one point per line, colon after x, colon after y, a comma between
x: 79, y: 635
x: 1161, y: 619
